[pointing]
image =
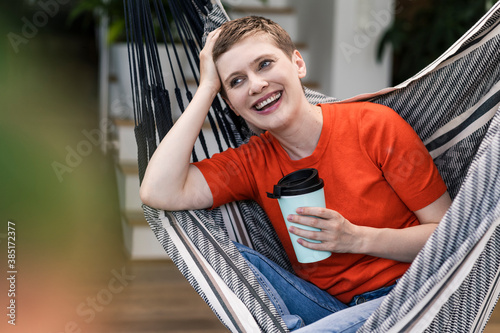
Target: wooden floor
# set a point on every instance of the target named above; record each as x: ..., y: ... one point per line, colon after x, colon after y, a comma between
x: 158, y: 300
x: 493, y: 325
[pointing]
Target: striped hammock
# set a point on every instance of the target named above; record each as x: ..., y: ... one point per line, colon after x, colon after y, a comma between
x: 453, y: 104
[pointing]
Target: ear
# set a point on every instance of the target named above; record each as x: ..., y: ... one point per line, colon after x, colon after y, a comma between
x: 223, y: 95
x: 300, y: 63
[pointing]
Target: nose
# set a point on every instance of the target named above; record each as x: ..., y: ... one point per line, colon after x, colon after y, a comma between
x: 257, y: 84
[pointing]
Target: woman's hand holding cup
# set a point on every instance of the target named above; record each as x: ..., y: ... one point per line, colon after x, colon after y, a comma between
x: 302, y: 187
x: 336, y: 233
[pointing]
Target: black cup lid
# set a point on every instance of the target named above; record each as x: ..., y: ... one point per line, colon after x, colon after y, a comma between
x: 302, y: 181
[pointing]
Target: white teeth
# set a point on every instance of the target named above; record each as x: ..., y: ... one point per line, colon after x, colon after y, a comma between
x: 271, y: 99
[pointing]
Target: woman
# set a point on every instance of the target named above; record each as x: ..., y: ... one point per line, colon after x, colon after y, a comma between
x: 384, y: 195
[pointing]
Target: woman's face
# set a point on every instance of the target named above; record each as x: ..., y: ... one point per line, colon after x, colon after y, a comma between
x: 261, y: 83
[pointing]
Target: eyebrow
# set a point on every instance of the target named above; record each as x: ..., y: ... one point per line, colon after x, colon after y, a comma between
x: 255, y: 61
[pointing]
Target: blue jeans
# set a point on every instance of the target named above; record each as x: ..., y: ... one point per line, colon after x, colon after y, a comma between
x: 302, y: 304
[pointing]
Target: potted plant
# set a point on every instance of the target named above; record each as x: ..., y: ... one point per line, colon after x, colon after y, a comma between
x: 424, y: 30
x: 111, y: 10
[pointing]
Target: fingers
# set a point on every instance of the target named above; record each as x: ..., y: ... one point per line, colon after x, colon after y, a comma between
x: 315, y: 217
x: 211, y: 38
x: 314, y: 235
x: 329, y: 222
x: 320, y: 212
x: 315, y: 240
x: 209, y: 43
x: 308, y: 221
x: 209, y: 76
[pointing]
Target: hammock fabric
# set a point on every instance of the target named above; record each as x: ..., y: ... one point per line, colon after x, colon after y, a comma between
x: 453, y: 104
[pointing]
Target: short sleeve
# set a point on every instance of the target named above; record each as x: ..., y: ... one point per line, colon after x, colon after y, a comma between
x: 397, y: 150
x: 230, y: 174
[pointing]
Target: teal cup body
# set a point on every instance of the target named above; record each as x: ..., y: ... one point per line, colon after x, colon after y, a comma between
x: 288, y: 205
x: 302, y: 188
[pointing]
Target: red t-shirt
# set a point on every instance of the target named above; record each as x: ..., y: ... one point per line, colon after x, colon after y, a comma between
x: 376, y: 172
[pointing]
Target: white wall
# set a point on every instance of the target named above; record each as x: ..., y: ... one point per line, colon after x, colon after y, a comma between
x: 343, y: 36
x: 316, y: 30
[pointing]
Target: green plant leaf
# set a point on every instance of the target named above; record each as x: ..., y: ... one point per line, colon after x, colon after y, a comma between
x: 424, y: 30
x: 115, y: 30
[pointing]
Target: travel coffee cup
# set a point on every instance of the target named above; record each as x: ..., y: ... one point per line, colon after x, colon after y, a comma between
x: 302, y: 188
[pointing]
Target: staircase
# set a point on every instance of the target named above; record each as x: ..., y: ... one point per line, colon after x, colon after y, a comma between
x: 138, y: 239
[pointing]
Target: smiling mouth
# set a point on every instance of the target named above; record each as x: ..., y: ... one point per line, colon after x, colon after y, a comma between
x: 268, y: 102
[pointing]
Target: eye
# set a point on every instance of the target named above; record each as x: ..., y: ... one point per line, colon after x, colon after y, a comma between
x: 265, y: 63
x: 234, y: 82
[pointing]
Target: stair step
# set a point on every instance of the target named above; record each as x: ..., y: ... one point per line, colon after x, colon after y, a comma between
x: 122, y: 122
x: 135, y: 218
x: 125, y: 144
x: 128, y: 187
x: 129, y: 168
x: 139, y: 240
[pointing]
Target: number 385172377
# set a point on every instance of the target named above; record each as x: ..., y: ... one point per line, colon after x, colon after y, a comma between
x: 11, y: 245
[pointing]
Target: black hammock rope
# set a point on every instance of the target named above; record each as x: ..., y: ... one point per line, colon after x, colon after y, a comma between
x: 152, y: 102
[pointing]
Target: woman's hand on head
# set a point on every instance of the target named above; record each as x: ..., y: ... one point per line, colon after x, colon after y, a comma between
x: 337, y: 234
x: 209, y: 77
